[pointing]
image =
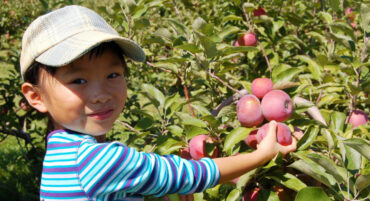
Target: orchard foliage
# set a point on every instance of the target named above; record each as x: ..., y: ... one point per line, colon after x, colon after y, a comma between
x: 194, y: 75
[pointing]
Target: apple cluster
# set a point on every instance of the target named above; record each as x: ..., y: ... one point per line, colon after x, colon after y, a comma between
x: 274, y: 105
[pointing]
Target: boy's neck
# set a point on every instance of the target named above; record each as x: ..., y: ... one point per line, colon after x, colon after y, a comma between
x: 101, y: 138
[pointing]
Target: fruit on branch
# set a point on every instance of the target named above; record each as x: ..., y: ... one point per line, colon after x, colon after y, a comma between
x: 251, y: 139
x: 236, y: 43
x: 357, y: 118
x: 185, y: 153
x: 283, y: 134
x: 277, y: 105
x: 259, y: 11
x: 261, y: 86
x: 248, y: 39
x: 198, y: 147
x: 350, y: 14
x: 251, y: 195
x: 248, y: 110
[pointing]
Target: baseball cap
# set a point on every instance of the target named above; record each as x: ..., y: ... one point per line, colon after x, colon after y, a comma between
x: 62, y: 36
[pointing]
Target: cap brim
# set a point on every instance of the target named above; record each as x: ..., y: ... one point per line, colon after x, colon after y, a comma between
x: 76, y: 46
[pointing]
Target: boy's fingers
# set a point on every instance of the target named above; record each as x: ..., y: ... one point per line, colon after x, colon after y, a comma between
x: 297, y: 135
x: 272, y: 129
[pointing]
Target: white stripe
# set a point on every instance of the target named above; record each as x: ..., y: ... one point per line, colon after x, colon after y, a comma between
x: 55, y: 151
x: 60, y: 188
x: 70, y: 176
x: 130, y: 168
x: 57, y: 163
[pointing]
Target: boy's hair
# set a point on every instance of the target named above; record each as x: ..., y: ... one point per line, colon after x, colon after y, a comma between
x: 32, y: 73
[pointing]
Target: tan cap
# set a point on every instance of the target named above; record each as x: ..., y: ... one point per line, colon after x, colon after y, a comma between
x: 62, y: 36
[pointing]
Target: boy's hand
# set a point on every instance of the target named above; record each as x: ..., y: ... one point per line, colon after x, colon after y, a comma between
x: 269, y: 146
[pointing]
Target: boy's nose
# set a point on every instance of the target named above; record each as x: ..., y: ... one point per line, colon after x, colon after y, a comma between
x: 99, y: 95
x: 100, y: 98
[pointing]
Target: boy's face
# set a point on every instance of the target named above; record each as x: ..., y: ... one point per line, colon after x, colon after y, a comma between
x: 87, y: 95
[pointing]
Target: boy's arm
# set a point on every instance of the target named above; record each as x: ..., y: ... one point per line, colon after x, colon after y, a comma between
x: 234, y: 166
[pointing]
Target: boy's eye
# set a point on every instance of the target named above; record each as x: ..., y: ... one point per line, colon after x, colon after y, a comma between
x: 113, y: 75
x: 79, y: 81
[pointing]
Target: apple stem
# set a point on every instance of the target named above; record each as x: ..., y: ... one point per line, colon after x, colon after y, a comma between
x: 266, y: 58
x: 247, y: 18
x: 128, y: 126
x: 229, y: 101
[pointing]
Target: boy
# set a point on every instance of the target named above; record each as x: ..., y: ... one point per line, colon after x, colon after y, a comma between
x: 73, y: 67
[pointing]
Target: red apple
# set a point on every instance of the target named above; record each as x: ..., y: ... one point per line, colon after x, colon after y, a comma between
x: 185, y: 153
x: 261, y: 86
x: 197, y: 146
x: 236, y: 43
x: 251, y: 195
x: 277, y: 105
x: 283, y: 134
x: 248, y: 39
x: 248, y: 110
x: 259, y: 11
x: 251, y: 140
x: 357, y: 118
x: 349, y: 13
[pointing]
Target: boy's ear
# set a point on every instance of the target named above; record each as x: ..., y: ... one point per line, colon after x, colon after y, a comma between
x: 33, y: 97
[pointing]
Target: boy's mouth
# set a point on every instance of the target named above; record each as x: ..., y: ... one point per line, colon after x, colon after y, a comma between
x: 101, y: 115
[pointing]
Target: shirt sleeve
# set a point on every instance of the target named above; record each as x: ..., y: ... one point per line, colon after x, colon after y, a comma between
x: 112, y: 167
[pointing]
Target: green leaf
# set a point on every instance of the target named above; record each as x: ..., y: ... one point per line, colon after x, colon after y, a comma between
x: 335, y: 5
x: 288, y: 75
x: 180, y: 28
x: 287, y: 179
x: 186, y: 119
x: 141, y: 23
x: 144, y: 123
x: 209, y: 46
x: 320, y: 38
x: 232, y: 18
x: 308, y: 138
x: 228, y: 31
x: 267, y: 195
x: 359, y: 145
x: 174, y: 197
x: 312, y: 169
x: 234, y: 195
x: 353, y: 158
x: 232, y: 50
x: 189, y: 47
x: 326, y: 17
x: 362, y: 182
x: 192, y: 131
x: 312, y: 193
x: 313, y: 67
x: 168, y: 145
x: 337, y: 120
x: 345, y: 28
x: 175, y: 130
x: 199, y: 23
x: 346, y: 41
x: 164, y: 33
x: 171, y: 100
x: 365, y: 17
x: 328, y: 165
x: 131, y: 4
x: 156, y: 96
x: 166, y: 65
x: 245, y: 178
x: 235, y: 136
x: 329, y: 138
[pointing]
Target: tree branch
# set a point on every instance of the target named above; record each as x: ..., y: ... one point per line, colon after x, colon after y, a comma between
x: 17, y: 133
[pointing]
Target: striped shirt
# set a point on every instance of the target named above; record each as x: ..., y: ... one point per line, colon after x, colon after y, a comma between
x: 76, y: 167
